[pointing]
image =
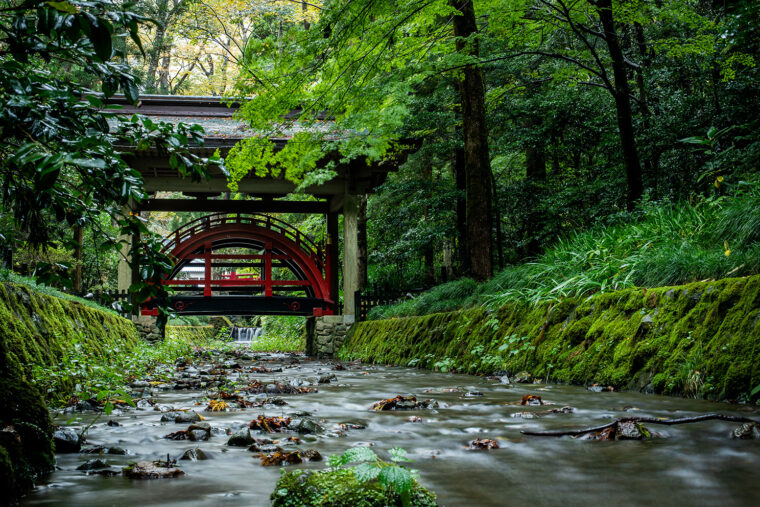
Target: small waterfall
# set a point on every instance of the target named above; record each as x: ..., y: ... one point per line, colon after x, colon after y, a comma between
x: 246, y: 334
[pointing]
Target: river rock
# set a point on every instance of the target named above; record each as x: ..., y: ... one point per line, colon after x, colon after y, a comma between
x: 137, y: 384
x: 305, y: 426
x: 150, y: 470
x: 629, y: 430
x: 100, y: 449
x: 199, y: 431
x: 326, y: 379
x: 747, y: 431
x: 93, y: 464
x: 196, y: 454
x: 522, y: 378
x: 144, y: 404
x: 187, y: 417
x: 66, y: 440
x: 241, y: 438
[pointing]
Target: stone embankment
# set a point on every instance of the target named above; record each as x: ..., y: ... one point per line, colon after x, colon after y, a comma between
x: 700, y: 339
x: 36, y: 332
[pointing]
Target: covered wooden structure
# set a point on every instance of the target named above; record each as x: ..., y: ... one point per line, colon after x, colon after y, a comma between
x: 264, y: 195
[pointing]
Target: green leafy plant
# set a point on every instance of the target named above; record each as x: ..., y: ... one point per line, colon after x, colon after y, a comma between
x: 370, y: 467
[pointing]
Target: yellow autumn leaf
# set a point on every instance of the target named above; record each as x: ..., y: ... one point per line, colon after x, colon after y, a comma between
x: 727, y: 252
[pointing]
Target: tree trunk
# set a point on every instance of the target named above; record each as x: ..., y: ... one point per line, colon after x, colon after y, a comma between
x: 78, y: 239
x: 477, y: 160
x: 155, y: 52
x: 428, y: 253
x: 463, y: 258
x: 622, y: 105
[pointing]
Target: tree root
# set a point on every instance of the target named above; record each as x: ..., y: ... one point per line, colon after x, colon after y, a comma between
x: 648, y: 420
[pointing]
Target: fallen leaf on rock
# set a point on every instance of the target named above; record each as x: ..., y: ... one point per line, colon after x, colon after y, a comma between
x: 402, y: 403
x: 217, y: 406
x: 279, y: 457
x: 531, y: 399
x: 484, y: 444
x: 270, y: 424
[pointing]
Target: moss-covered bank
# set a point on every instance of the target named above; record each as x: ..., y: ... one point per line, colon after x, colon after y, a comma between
x: 701, y: 338
x: 36, y: 329
x: 190, y: 334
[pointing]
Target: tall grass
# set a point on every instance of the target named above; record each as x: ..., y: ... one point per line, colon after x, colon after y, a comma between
x: 659, y: 244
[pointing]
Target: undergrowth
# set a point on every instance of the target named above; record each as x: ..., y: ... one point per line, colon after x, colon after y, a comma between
x: 7, y: 275
x: 81, y: 375
x: 657, y: 245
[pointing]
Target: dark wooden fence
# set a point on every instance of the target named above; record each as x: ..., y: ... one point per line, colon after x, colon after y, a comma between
x: 367, y: 301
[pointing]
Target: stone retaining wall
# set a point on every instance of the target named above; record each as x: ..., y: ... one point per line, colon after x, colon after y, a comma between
x: 325, y: 335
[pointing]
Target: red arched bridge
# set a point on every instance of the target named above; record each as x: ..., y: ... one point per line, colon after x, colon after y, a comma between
x: 286, y: 272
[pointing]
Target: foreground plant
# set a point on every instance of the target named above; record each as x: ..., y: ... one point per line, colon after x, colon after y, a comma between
x: 356, y: 477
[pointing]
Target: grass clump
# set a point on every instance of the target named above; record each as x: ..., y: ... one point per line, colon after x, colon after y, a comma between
x: 658, y: 245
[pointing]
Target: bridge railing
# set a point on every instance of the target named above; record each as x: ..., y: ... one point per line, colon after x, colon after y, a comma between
x: 268, y: 222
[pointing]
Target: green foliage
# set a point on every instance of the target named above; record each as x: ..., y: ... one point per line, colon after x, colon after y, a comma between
x: 371, y: 482
x: 657, y: 245
x: 60, y: 168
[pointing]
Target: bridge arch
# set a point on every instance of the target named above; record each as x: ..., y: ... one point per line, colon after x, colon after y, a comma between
x: 287, y: 262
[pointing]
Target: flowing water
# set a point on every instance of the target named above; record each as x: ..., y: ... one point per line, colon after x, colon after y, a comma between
x: 697, y: 464
x: 246, y: 334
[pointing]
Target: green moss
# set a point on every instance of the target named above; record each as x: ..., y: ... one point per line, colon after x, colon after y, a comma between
x: 706, y: 333
x: 340, y: 488
x: 37, y: 329
x: 190, y: 334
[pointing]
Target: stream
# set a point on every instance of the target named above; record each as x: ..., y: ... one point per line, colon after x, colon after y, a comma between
x: 695, y: 464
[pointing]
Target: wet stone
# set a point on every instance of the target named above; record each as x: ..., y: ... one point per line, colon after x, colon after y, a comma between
x: 326, y: 379
x: 196, y: 454
x: 187, y: 417
x: 305, y: 426
x: 523, y: 378
x: 93, y: 464
x: 747, y: 431
x: 66, y: 440
x: 151, y: 470
x: 241, y: 438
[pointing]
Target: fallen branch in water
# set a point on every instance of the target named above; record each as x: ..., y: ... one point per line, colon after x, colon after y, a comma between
x: 649, y: 420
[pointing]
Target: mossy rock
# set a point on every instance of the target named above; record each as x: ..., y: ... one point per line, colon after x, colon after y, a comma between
x: 340, y: 488
x: 666, y: 334
x: 26, y: 448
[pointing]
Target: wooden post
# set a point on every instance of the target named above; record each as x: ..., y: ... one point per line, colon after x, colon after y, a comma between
x: 268, y: 270
x: 331, y: 267
x: 207, y: 266
x: 124, y: 275
x: 350, y: 253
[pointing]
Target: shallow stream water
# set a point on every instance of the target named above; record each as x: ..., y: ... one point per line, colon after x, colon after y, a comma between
x: 695, y: 464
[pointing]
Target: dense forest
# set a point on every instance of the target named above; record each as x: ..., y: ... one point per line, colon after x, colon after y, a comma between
x: 568, y: 146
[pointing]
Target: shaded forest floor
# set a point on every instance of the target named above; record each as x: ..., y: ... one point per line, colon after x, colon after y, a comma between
x: 657, y: 245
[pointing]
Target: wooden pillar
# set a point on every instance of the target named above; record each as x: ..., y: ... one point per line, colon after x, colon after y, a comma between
x: 207, y: 271
x: 124, y: 274
x: 331, y: 273
x: 268, y: 270
x: 350, y: 253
